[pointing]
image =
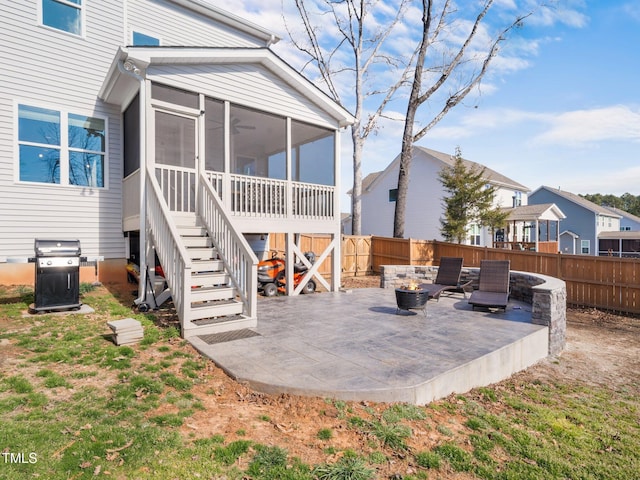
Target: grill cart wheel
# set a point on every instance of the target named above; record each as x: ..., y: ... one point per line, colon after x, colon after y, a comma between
x: 144, y: 307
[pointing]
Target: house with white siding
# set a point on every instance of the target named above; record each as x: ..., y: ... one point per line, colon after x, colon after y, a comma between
x: 168, y: 128
x: 424, y: 197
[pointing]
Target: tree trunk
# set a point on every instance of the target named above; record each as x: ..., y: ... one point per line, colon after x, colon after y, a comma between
x: 406, y: 154
x: 356, y: 192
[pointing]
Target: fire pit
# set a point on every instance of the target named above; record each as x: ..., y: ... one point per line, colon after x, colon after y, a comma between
x: 412, y: 299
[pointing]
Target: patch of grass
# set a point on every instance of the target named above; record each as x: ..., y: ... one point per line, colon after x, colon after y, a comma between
x: 403, y: 411
x: 116, y: 357
x: 174, y: 381
x: 377, y: 458
x: 444, y: 430
x: 18, y: 384
x: 325, y: 434
x: 52, y: 379
x: 391, y: 435
x: 228, y: 454
x: 459, y: 459
x: 168, y: 419
x: 268, y: 462
x: 428, y: 460
x: 347, y: 468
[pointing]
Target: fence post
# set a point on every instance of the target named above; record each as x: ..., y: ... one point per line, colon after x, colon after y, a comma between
x: 410, y: 251
x: 559, y: 266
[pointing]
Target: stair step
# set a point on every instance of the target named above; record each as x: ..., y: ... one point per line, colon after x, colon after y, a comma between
x: 199, y: 267
x: 212, y: 293
x: 215, y: 309
x: 191, y: 230
x: 210, y: 279
x: 218, y: 325
x: 197, y: 242
x: 201, y: 253
x: 184, y: 218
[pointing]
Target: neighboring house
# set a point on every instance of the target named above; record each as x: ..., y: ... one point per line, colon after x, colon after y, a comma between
x: 584, y: 220
x: 424, y: 198
x: 531, y: 227
x: 628, y: 221
x: 122, y: 123
x: 626, y: 242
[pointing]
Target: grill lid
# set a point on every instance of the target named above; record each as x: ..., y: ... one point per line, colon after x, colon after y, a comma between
x: 56, y: 248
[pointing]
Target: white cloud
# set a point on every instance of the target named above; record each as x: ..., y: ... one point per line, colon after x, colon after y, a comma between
x: 618, y: 122
x: 567, y: 12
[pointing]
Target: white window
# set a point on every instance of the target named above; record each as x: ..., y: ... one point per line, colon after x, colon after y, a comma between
x: 585, y: 246
x: 61, y: 147
x: 65, y: 15
x: 474, y: 235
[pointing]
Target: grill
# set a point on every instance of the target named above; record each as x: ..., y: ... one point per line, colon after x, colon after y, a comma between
x: 57, y: 284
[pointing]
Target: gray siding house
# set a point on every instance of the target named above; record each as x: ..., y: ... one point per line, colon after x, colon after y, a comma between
x: 584, y: 220
x: 169, y: 128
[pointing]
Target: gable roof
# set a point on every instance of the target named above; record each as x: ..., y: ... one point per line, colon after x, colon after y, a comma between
x: 534, y: 212
x: 491, y: 176
x: 118, y: 85
x: 578, y: 200
x: 223, y: 16
x: 624, y: 214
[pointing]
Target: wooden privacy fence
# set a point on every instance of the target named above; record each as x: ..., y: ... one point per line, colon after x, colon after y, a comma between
x: 609, y: 283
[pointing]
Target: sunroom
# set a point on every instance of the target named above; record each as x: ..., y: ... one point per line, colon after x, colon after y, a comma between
x: 265, y: 139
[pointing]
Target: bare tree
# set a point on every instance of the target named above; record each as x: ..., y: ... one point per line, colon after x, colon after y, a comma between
x: 455, y: 69
x: 356, y: 48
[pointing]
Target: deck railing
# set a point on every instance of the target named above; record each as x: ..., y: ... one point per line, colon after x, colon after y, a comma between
x: 248, y: 195
x: 313, y: 201
x: 257, y: 196
x: 178, y: 187
x: 173, y: 256
x: 239, y: 260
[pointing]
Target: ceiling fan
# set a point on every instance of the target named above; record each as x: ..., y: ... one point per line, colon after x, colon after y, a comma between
x: 236, y: 127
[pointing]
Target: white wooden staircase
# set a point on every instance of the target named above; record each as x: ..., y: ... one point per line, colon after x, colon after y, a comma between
x: 213, y: 304
x: 209, y: 267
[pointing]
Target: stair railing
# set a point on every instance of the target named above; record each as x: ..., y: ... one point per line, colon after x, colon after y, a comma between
x: 234, y: 250
x: 169, y: 248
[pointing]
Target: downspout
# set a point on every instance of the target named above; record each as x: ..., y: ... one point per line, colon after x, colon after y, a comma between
x: 129, y: 68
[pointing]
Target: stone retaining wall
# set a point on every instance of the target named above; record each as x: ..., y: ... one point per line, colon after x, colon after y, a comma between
x: 546, y: 295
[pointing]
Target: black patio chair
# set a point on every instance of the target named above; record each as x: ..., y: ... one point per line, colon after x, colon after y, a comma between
x: 447, y: 279
x: 493, y: 289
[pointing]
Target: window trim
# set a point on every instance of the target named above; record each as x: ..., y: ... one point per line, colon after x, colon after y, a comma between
x: 83, y: 18
x: 65, y: 149
x: 588, y: 245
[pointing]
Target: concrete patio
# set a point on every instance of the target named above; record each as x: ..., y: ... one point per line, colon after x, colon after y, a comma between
x: 353, y: 346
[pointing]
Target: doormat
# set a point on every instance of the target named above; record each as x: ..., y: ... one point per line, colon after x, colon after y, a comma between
x: 214, y: 338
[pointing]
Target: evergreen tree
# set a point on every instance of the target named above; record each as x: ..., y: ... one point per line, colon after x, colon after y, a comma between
x: 470, y: 200
x: 627, y: 202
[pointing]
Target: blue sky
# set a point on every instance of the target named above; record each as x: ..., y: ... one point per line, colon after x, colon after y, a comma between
x: 560, y: 108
